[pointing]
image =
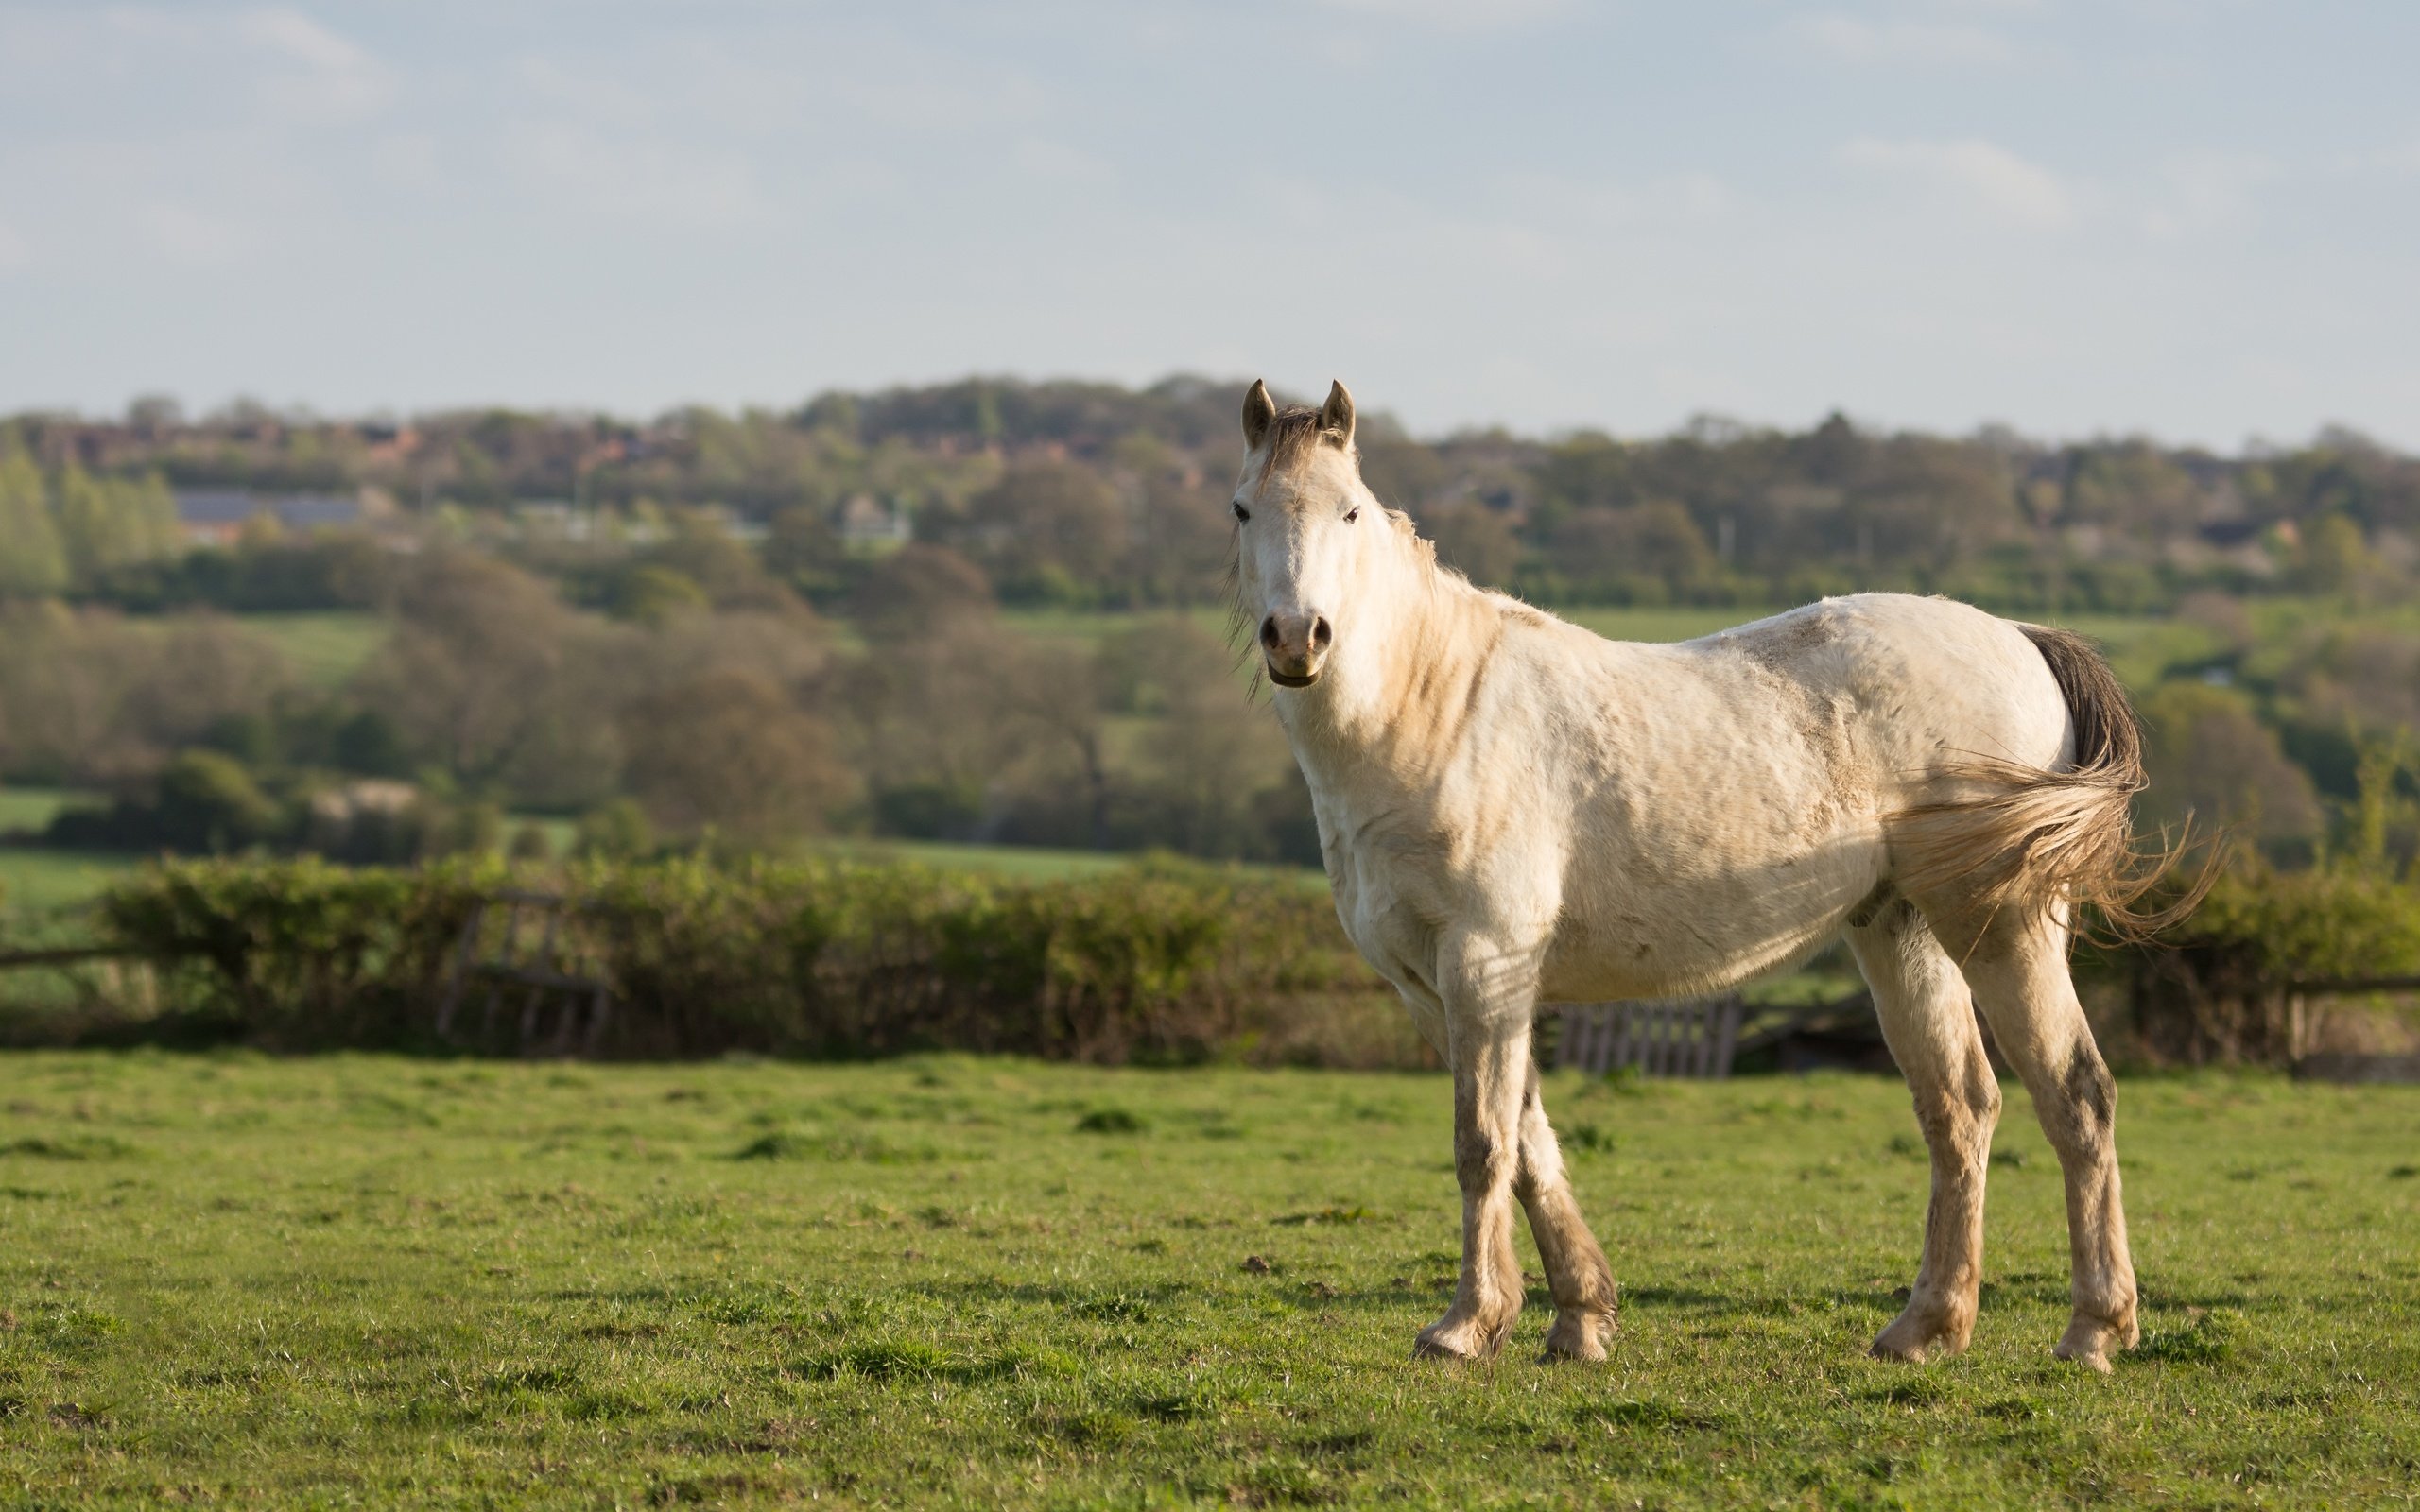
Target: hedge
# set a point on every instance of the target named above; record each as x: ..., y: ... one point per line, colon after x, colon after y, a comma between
x: 1160, y: 961
x: 824, y: 957
x: 2225, y: 983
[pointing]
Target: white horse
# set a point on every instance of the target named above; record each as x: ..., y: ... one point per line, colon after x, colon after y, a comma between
x: 1512, y: 808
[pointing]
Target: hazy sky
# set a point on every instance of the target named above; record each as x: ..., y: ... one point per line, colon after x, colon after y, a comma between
x: 2195, y: 217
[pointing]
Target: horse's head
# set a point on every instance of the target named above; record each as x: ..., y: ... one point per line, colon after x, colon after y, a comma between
x: 1308, y: 533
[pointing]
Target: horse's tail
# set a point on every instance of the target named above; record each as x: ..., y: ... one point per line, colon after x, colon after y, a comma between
x: 2033, y: 839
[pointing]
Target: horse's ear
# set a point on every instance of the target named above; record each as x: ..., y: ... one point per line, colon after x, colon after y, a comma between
x: 1260, y: 412
x: 1336, y: 415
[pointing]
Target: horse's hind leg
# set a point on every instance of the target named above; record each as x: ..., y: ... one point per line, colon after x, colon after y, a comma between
x: 1928, y: 1021
x: 2019, y: 971
x: 1582, y: 1283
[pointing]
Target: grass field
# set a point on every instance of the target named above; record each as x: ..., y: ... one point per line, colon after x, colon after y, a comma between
x: 325, y: 648
x: 43, y: 881
x: 38, y: 879
x: 237, y: 1281
x: 328, y: 648
x: 36, y: 882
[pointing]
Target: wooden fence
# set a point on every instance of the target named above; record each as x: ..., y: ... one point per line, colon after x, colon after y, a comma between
x: 546, y: 973
x: 1662, y: 1037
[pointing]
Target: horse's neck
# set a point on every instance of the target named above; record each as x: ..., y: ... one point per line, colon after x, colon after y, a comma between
x: 1395, y: 709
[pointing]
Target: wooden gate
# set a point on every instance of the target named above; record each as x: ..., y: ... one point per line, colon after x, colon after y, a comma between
x: 1662, y: 1037
x: 549, y: 973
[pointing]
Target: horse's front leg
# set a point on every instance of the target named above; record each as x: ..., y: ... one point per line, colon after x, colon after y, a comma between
x: 1487, y: 1023
x: 1582, y: 1283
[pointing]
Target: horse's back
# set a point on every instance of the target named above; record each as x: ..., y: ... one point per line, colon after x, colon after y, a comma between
x: 1923, y: 679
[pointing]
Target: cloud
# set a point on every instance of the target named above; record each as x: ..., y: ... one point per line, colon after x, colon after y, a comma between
x: 186, y: 235
x: 1043, y: 158
x: 636, y: 179
x: 16, y: 251
x: 408, y: 158
x: 1663, y: 201
x: 1990, y: 180
x: 275, y: 55
x: 589, y: 95
x: 2208, y: 191
x: 324, y: 74
x: 1455, y: 15
x: 1851, y: 40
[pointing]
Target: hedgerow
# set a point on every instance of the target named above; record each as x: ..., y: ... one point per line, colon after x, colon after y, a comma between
x: 824, y: 957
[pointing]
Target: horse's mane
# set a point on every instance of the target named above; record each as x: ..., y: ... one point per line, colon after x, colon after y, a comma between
x: 1294, y: 431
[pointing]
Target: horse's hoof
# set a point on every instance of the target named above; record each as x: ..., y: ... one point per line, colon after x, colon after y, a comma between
x: 2088, y: 1340
x: 2092, y: 1360
x: 1457, y: 1341
x: 1578, y: 1336
x: 1915, y: 1336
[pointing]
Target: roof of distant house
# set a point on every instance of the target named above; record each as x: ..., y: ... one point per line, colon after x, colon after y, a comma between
x: 296, y: 511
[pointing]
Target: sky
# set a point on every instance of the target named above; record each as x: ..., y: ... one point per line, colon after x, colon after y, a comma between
x: 2196, y: 219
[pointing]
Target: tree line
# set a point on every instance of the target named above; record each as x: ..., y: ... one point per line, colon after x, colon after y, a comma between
x: 737, y: 718
x: 1095, y: 495
x: 666, y: 630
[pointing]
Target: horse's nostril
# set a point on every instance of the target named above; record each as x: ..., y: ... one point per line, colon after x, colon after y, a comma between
x: 1321, y: 634
x: 1269, y: 633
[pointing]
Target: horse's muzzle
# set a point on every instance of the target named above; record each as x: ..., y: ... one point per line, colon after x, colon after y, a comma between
x: 1295, y: 646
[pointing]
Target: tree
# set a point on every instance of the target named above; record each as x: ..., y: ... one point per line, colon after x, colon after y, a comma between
x: 90, y: 698
x: 1590, y: 471
x: 1475, y: 540
x: 613, y: 830
x: 654, y: 594
x: 1647, y: 551
x: 932, y: 721
x: 733, y: 754
x: 727, y: 572
x: 802, y: 549
x: 919, y: 589
x: 34, y: 564
x: 1212, y: 766
x: 2209, y: 756
x: 1048, y: 530
x: 208, y: 803
x: 2336, y: 558
x: 107, y: 523
x: 472, y: 677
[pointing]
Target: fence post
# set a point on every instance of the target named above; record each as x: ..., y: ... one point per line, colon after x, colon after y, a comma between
x: 1727, y: 1035
x: 464, y: 949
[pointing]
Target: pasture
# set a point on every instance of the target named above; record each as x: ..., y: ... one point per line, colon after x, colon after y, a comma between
x: 236, y: 1281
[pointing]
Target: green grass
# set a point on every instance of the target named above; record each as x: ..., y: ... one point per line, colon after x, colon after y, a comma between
x: 373, y: 1281
x: 30, y: 808
x: 325, y: 648
x: 37, y: 880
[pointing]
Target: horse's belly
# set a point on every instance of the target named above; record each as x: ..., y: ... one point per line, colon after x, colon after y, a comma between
x: 1702, y: 936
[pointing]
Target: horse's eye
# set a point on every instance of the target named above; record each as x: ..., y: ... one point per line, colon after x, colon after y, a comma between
x: 1352, y: 514
x: 1242, y: 514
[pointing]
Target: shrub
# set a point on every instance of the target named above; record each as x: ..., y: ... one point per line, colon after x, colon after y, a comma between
x: 302, y: 954
x: 824, y: 957
x: 2221, y: 986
